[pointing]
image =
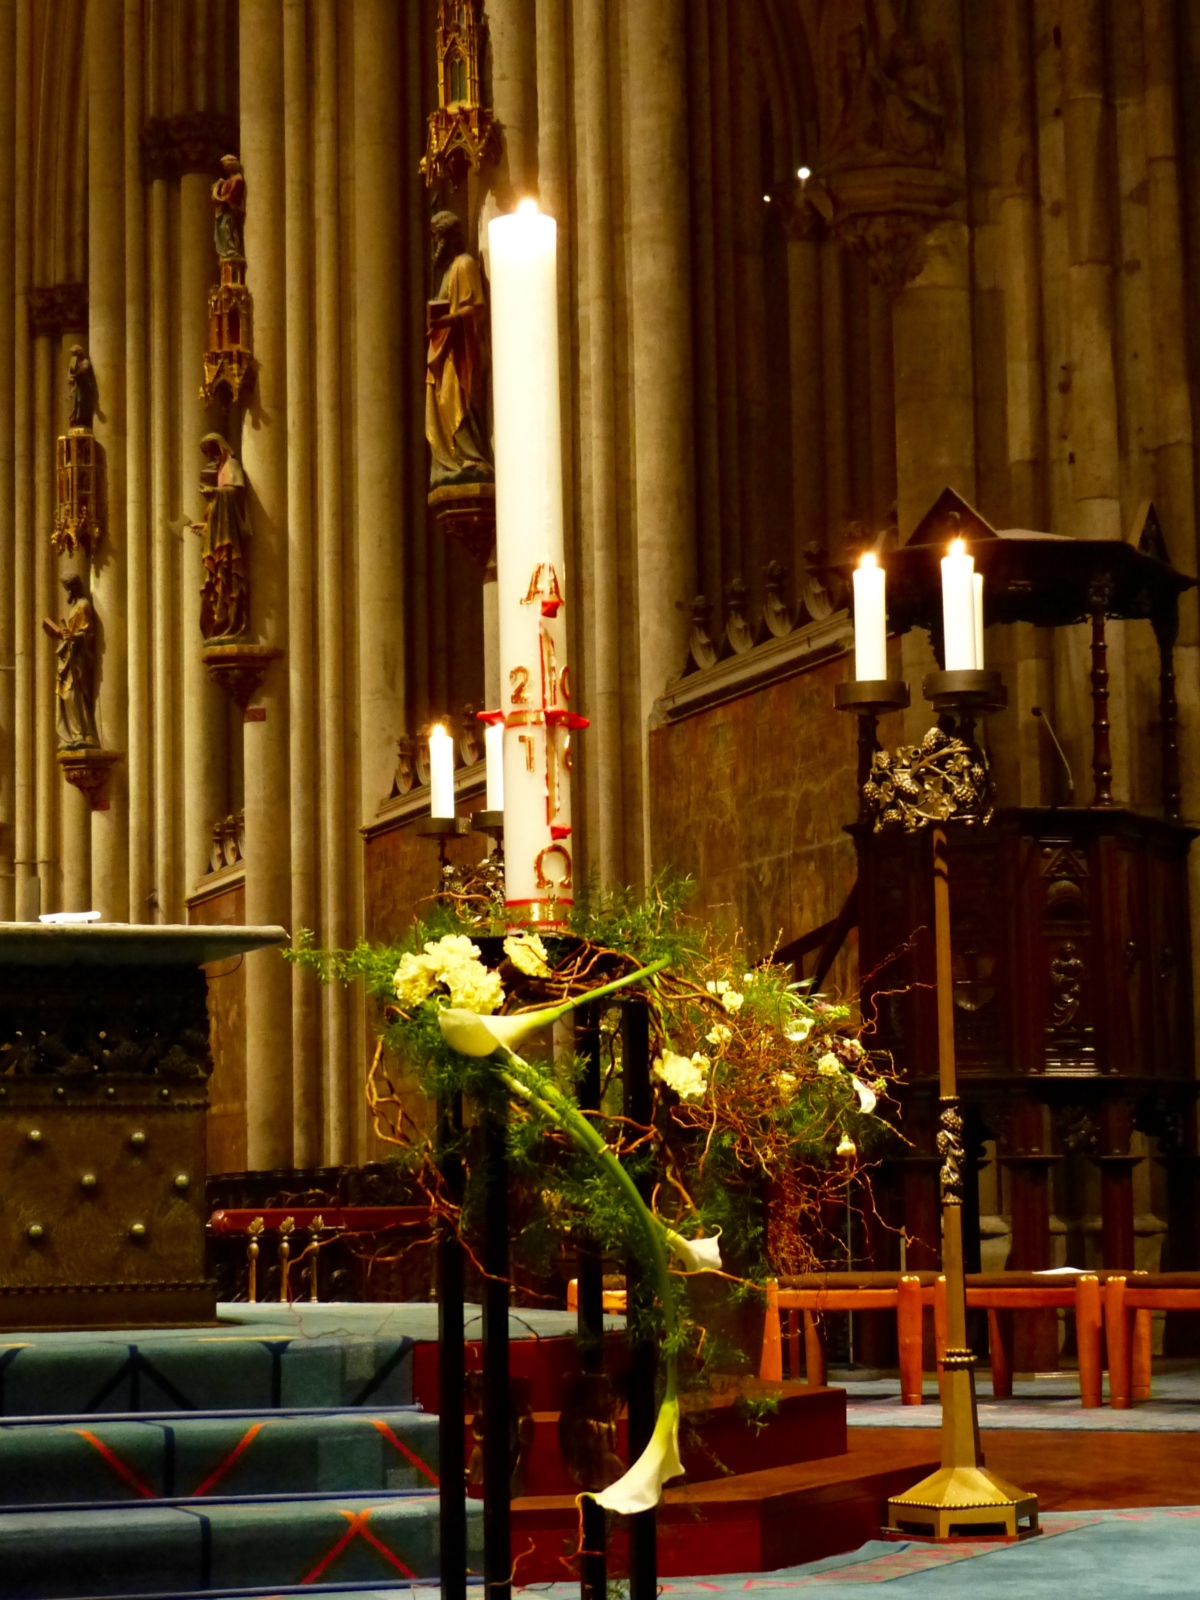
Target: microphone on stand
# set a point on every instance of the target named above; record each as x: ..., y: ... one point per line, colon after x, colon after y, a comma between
x: 1062, y: 754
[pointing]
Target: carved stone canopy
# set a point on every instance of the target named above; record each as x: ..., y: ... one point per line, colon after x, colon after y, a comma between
x: 238, y: 668
x: 193, y: 141
x: 55, y: 307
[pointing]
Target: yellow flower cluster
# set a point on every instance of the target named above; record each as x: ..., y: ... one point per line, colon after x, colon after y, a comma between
x: 718, y: 1034
x: 528, y: 954
x: 829, y: 1066
x: 688, y: 1078
x: 452, y: 962
x: 726, y: 994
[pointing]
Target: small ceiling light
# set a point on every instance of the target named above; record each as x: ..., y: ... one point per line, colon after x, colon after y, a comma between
x: 804, y: 174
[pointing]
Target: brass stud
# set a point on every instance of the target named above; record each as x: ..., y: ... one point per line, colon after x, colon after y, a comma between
x: 137, y: 1232
x: 181, y: 1181
x: 35, y: 1232
x: 88, y: 1181
x: 34, y: 1136
x: 138, y: 1140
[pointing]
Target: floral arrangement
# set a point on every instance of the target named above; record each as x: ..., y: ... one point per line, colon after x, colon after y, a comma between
x: 762, y: 1092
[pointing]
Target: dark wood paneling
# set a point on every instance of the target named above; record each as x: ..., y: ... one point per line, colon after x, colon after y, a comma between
x: 227, y: 1033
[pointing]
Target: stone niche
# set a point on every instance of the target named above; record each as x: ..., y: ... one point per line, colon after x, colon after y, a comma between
x: 104, y: 1069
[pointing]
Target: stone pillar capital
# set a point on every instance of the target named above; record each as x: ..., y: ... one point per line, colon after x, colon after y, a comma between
x: 193, y: 141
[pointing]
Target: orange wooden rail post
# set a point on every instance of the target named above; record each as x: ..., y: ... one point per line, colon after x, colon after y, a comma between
x: 816, y: 1368
x: 1116, y: 1337
x: 909, y: 1336
x: 771, y: 1366
x: 793, y: 1343
x: 1000, y: 1347
x: 1087, y: 1339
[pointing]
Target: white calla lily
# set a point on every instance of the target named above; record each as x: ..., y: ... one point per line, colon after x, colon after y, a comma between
x: 640, y: 1489
x: 866, y: 1096
x: 474, y: 1035
x: 697, y: 1255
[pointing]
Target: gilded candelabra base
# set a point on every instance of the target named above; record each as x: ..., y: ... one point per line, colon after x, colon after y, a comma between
x: 962, y: 1502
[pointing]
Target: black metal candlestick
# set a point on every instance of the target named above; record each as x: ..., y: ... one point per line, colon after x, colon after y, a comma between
x: 593, y: 1571
x: 497, y: 1447
x: 643, y: 1366
x: 869, y: 698
x: 452, y: 1473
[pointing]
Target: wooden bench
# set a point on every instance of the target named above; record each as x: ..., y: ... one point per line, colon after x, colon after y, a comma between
x: 1129, y: 1301
x: 907, y: 1296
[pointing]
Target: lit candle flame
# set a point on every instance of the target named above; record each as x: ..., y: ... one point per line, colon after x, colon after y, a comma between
x: 527, y: 208
x: 437, y: 731
x: 958, y: 547
x: 867, y: 559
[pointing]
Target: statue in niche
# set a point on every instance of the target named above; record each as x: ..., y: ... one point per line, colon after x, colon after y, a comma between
x: 225, y: 543
x: 882, y: 92
x: 82, y: 389
x: 229, y: 206
x: 456, y: 379
x: 76, y: 649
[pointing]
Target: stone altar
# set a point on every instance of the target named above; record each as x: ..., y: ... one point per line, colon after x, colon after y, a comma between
x: 104, y: 1068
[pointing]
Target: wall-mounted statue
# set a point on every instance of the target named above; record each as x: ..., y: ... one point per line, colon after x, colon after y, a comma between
x: 76, y: 649
x: 229, y: 206
x: 456, y: 380
x: 882, y: 92
x: 225, y: 543
x: 82, y: 389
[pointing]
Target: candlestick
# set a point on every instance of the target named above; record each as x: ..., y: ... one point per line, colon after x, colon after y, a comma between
x: 441, y: 772
x: 978, y: 593
x: 870, y: 620
x: 535, y: 679
x: 493, y: 744
x: 958, y: 608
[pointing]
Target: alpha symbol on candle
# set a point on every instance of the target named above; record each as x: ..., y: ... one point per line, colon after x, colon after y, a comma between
x: 544, y: 586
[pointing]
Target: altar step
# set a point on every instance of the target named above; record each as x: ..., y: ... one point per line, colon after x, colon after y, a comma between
x: 748, y: 1522
x: 192, y: 1547
x: 94, y: 1459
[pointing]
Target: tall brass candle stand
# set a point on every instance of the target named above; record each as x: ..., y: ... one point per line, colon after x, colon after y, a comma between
x: 943, y: 779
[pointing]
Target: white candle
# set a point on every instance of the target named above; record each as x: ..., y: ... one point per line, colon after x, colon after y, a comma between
x: 978, y: 578
x: 493, y: 744
x: 530, y: 570
x: 958, y: 608
x: 441, y: 772
x: 870, y: 620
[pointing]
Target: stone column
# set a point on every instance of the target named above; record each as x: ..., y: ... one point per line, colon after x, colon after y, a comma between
x: 8, y: 537
x: 24, y: 624
x: 302, y: 643
x: 140, y: 756
x: 48, y: 601
x: 264, y: 456
x: 662, y: 349
x: 804, y: 335
x: 168, y: 879
x: 335, y: 834
x: 379, y: 452
x: 834, y: 395
x: 204, y: 712
x: 602, y: 745
x: 1020, y: 268
x: 512, y: 39
x: 1086, y: 126
x: 108, y: 892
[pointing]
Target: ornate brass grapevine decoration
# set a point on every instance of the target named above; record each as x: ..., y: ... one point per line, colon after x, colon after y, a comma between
x: 941, y: 778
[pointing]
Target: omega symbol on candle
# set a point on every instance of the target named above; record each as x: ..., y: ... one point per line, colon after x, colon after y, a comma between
x: 518, y: 680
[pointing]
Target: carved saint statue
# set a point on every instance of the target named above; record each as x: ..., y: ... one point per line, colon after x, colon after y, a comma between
x: 881, y: 91
x: 456, y: 379
x: 225, y: 540
x: 76, y: 649
x: 82, y: 388
x: 229, y: 206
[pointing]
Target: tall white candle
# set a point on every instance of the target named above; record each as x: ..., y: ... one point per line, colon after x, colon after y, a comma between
x: 870, y: 620
x: 535, y: 684
x: 441, y: 772
x: 978, y: 594
x: 958, y: 608
x: 493, y: 744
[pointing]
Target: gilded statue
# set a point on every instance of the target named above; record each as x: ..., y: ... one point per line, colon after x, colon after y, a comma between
x: 229, y: 207
x: 456, y: 379
x: 76, y: 649
x: 225, y: 543
x: 82, y: 388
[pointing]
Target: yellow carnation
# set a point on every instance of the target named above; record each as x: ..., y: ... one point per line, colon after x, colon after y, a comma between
x: 528, y: 954
x: 689, y: 1079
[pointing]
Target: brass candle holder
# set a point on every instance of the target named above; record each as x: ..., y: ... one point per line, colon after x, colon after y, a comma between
x: 945, y: 778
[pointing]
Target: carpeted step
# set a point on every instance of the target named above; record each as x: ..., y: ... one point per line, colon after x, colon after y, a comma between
x: 186, y: 1548
x: 259, y: 1366
x: 118, y: 1459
